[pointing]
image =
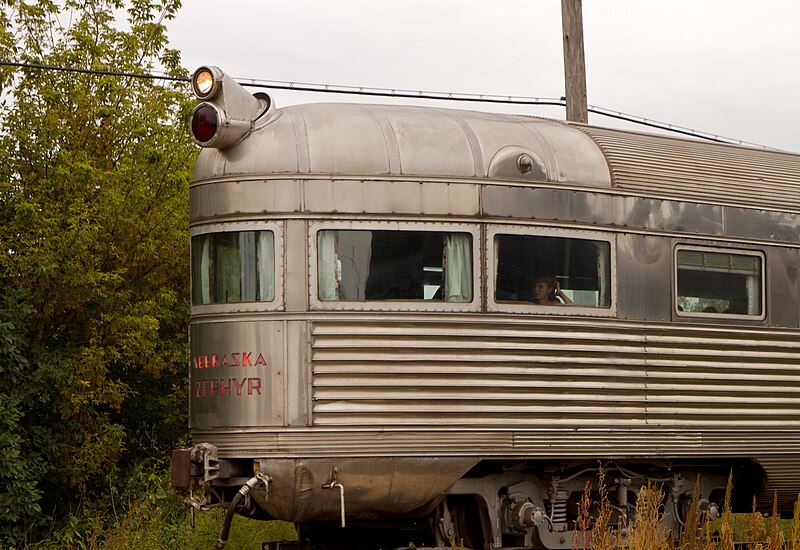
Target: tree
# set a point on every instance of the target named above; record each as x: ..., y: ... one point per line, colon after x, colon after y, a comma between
x: 93, y: 253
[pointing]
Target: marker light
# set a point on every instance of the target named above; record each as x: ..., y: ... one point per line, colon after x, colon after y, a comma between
x: 205, y: 123
x: 205, y: 82
x: 227, y: 112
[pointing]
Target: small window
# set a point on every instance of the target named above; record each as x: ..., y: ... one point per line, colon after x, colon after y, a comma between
x: 552, y: 271
x: 377, y: 265
x: 236, y: 266
x: 711, y: 282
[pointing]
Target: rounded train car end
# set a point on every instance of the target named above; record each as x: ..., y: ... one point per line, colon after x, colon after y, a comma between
x: 432, y: 325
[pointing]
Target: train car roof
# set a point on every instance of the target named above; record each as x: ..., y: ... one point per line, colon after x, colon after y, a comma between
x: 390, y: 141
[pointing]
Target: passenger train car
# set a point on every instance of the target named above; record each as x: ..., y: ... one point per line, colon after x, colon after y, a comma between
x: 370, y: 349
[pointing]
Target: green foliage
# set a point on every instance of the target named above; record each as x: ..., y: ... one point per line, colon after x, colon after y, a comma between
x: 149, y: 515
x: 19, y: 495
x: 94, y: 176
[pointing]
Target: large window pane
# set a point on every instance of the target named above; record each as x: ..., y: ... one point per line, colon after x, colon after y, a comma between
x: 717, y: 282
x: 236, y: 266
x: 376, y: 265
x: 552, y: 271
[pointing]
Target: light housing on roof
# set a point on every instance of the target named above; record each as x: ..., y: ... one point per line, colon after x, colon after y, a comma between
x: 227, y: 112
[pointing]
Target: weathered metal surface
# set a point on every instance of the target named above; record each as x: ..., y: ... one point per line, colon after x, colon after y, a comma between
x: 385, y: 140
x: 270, y: 199
x: 237, y: 374
x: 375, y: 487
x: 700, y: 171
x: 552, y: 372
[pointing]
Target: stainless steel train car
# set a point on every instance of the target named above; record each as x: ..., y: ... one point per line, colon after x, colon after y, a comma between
x: 443, y: 323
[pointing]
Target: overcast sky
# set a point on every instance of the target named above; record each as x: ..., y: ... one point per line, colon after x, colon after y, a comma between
x: 730, y: 68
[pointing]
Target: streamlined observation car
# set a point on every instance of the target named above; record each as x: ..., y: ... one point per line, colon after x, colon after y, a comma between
x: 369, y: 346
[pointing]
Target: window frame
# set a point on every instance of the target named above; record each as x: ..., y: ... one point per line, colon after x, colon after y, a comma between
x: 537, y: 231
x: 277, y: 304
x: 719, y: 250
x: 315, y: 303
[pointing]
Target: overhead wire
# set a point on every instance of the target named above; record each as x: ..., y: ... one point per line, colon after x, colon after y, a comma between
x: 412, y: 94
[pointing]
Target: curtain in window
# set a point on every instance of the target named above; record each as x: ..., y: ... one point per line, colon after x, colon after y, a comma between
x: 458, y: 268
x: 753, y: 288
x: 265, y: 250
x: 354, y: 251
x: 203, y: 280
x: 604, y: 300
x: 247, y: 258
x: 327, y: 266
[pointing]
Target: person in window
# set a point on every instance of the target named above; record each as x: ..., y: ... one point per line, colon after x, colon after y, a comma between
x: 547, y: 292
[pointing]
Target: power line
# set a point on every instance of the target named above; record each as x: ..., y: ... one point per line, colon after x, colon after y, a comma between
x: 92, y: 71
x: 411, y: 94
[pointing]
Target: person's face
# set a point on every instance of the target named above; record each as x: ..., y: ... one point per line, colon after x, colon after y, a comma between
x: 541, y: 290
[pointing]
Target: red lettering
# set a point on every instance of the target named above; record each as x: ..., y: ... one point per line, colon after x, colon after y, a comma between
x: 261, y: 361
x: 214, y: 362
x: 253, y: 384
x: 246, y: 359
x: 227, y: 386
x: 225, y: 362
x: 197, y: 362
x: 235, y: 359
x: 205, y: 361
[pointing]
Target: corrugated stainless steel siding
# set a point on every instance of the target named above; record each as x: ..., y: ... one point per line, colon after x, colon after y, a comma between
x: 680, y: 168
x: 552, y: 372
x: 599, y: 389
x: 783, y: 481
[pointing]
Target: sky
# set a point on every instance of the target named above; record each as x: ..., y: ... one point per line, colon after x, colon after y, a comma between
x: 730, y: 68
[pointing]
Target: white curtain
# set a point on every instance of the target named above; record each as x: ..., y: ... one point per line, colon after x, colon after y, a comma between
x: 205, y: 258
x: 265, y: 251
x: 753, y: 294
x: 604, y: 300
x: 354, y: 251
x: 458, y: 268
x: 327, y: 279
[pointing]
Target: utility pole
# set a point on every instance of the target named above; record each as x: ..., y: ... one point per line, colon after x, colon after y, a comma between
x: 574, y: 61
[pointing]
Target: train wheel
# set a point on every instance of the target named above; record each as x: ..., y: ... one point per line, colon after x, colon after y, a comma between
x: 469, y: 521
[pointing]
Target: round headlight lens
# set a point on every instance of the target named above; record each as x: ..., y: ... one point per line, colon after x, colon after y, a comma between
x: 205, y: 123
x: 203, y: 82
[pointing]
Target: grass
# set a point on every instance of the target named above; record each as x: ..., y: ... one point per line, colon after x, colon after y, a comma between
x: 159, y: 520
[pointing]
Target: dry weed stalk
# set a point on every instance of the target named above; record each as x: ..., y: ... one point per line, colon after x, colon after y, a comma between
x: 775, y: 539
x: 580, y: 533
x: 755, y: 529
x: 795, y: 529
x: 603, y: 537
x: 689, y: 538
x: 645, y: 531
x: 726, y: 523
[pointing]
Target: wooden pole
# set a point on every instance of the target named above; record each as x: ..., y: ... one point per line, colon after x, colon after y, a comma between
x: 574, y: 61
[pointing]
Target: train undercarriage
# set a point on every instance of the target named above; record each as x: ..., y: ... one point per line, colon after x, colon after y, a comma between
x: 495, y: 504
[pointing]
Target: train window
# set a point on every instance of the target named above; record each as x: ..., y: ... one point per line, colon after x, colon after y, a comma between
x: 712, y: 282
x: 381, y: 265
x: 552, y: 270
x: 234, y: 266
